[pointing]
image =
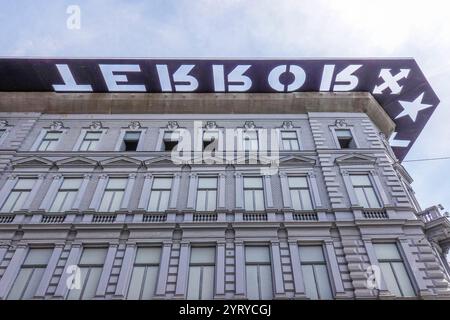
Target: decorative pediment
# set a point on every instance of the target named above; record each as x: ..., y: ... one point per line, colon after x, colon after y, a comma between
x: 352, y: 159
x: 297, y: 161
x: 121, y: 161
x: 32, y: 162
x: 160, y: 161
x: 76, y: 162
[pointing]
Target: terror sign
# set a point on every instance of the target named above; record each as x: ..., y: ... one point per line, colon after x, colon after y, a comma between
x: 398, y: 85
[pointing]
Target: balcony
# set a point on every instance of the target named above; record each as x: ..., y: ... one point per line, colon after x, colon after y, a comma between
x: 437, y: 226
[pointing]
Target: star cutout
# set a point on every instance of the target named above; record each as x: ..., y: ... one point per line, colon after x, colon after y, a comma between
x: 412, y: 108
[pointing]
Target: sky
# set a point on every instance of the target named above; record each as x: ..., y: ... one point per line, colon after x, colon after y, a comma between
x: 255, y: 28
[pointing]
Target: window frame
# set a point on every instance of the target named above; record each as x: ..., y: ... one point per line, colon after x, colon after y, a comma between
x: 20, y: 190
x: 264, y: 195
x: 121, y: 139
x: 336, y: 140
x: 297, y: 133
x: 126, y: 178
x: 308, y: 188
x: 212, y: 264
x: 66, y: 190
x: 41, y: 138
x: 82, y: 135
x: 258, y: 264
x: 207, y: 189
x: 154, y: 177
x: 373, y: 185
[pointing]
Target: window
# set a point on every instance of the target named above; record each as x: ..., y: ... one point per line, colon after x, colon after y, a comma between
x: 30, y: 274
x: 206, y: 194
x: 66, y: 195
x: 113, y: 195
x: 300, y: 195
x: 345, y: 138
x: 91, y: 265
x: 170, y: 140
x: 258, y: 273
x: 250, y: 140
x: 201, y: 274
x: 393, y: 269
x: 253, y: 194
x: 130, y: 141
x: 160, y: 194
x: 18, y: 195
x: 364, y: 191
x: 90, y: 141
x: 289, y: 140
x: 315, y: 274
x: 145, y: 274
x: 210, y: 140
x: 49, y: 141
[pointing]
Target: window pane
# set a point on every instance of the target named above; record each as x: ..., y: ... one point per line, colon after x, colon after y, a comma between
x: 323, y: 282
x: 93, y: 145
x: 162, y: 183
x: 164, y: 201
x: 252, y: 282
x: 117, y: 183
x: 360, y: 180
x: 210, y: 135
x: 209, y: 183
x: 75, y: 294
x: 116, y: 201
x: 150, y: 282
x: 403, y: 279
x: 250, y: 182
x: 203, y: 255
x: 311, y: 254
x: 136, y: 283
x: 248, y: 200
x: 91, y: 284
x: 257, y: 254
x: 70, y: 198
x: 148, y: 255
x: 93, y: 256
x: 33, y: 283
x: 153, y: 202
x: 310, y: 283
x: 52, y: 135
x: 298, y: 182
x: 106, y: 201
x: 193, y: 291
x: 294, y: 145
x: 289, y: 134
x: 201, y: 200
x: 84, y: 146
x: 71, y: 183
x: 132, y: 135
x: 44, y: 145
x: 172, y: 135
x: 207, y: 283
x: 389, y: 278
x: 24, y: 184
x: 295, y: 199
x: 265, y: 275
x: 360, y: 195
x: 38, y: 256
x: 11, y: 201
x: 386, y: 251
x: 259, y: 199
x: 371, y: 198
x: 211, y: 200
x: 306, y: 200
x: 92, y: 135
x: 20, y: 283
x: 343, y: 133
x: 58, y: 202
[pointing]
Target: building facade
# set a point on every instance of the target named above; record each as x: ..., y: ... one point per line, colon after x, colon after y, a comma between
x: 93, y: 205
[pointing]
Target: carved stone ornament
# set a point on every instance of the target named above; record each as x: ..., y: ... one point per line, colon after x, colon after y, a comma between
x: 211, y: 125
x: 96, y: 125
x: 249, y: 125
x: 172, y: 125
x: 287, y: 125
x: 340, y: 123
x: 56, y: 125
x: 3, y: 123
x: 134, y: 125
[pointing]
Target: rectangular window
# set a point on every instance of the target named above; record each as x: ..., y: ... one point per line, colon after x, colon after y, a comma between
x: 364, y: 191
x: 315, y: 274
x: 66, y: 195
x: 130, y: 141
x: 112, y: 197
x: 49, y: 141
x: 345, y: 138
x: 258, y: 273
x: 300, y: 195
x: 201, y: 274
x: 210, y: 140
x: 170, y: 140
x: 253, y: 194
x: 289, y: 140
x: 250, y: 140
x: 206, y: 194
x: 91, y: 266
x: 30, y: 274
x: 393, y: 270
x: 159, y: 195
x: 90, y: 141
x: 18, y: 195
x: 145, y: 274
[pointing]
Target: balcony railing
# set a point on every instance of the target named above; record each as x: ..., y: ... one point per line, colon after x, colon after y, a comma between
x: 432, y: 213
